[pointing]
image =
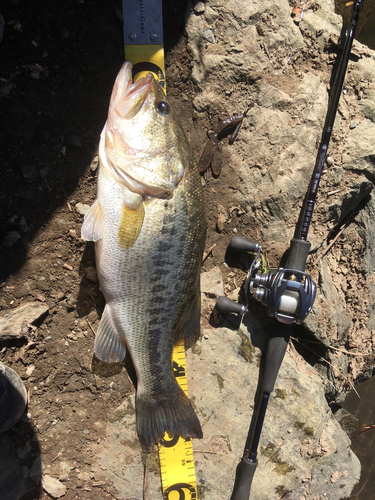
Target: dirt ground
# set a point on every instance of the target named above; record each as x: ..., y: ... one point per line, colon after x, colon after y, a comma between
x: 59, y: 60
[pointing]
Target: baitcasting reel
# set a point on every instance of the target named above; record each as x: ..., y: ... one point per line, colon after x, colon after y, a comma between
x: 288, y: 293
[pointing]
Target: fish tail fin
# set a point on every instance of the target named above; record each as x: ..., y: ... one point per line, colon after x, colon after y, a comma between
x: 173, y: 414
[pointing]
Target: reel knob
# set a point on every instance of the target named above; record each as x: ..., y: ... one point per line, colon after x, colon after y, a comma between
x: 240, y: 244
x: 225, y: 305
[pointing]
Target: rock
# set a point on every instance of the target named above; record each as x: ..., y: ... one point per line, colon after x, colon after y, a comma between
x: 11, y: 238
x: 347, y: 421
x: 82, y: 208
x: 212, y: 283
x: 275, y: 152
x: 23, y: 226
x: 53, y: 486
x: 209, y: 36
x: 91, y: 274
x: 15, y: 324
x: 220, y: 222
x: 199, y: 8
x: 5, y: 85
x: 222, y: 375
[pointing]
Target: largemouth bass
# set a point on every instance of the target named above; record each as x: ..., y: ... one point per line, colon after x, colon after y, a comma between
x: 148, y: 223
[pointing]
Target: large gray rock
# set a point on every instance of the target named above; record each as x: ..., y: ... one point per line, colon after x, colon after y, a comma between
x: 303, y: 449
x: 261, y: 55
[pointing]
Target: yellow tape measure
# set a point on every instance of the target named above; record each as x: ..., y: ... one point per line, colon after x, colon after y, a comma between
x: 176, y: 453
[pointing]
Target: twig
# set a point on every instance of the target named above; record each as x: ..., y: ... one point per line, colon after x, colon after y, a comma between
x: 90, y: 325
x: 208, y: 252
x: 336, y: 191
x: 203, y: 451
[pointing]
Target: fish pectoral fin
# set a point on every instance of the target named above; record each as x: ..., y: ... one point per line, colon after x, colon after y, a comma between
x: 92, y: 227
x: 130, y: 226
x: 108, y: 346
x: 172, y: 413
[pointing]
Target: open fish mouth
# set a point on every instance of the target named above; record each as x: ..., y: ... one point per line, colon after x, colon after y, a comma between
x: 128, y: 97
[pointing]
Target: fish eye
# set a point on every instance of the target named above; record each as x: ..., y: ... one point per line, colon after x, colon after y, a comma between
x: 163, y: 108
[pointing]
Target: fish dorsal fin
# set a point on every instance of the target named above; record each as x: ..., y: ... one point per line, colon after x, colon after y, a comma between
x: 108, y: 346
x: 92, y: 227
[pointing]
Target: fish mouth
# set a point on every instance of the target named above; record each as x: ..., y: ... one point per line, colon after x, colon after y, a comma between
x: 127, y: 97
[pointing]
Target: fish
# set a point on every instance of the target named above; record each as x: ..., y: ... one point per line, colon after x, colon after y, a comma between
x: 148, y: 224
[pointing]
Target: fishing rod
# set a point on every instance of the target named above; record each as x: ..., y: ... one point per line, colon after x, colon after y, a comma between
x: 288, y: 292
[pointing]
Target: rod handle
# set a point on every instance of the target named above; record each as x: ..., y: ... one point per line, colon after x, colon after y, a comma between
x: 225, y: 305
x: 274, y: 355
x: 245, y: 473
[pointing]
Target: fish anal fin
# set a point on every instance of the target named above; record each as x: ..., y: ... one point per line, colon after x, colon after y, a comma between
x: 173, y: 414
x: 130, y: 226
x: 108, y: 346
x: 92, y: 227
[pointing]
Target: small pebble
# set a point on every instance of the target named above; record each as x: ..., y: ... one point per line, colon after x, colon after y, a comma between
x: 11, y: 238
x: 94, y: 164
x: 67, y: 266
x: 353, y: 125
x: 329, y: 161
x: 53, y: 486
x: 22, y: 226
x: 5, y: 87
x: 235, y: 230
x: 73, y: 233
x: 209, y: 36
x: 12, y: 221
x: 91, y: 274
x: 220, y: 222
x: 199, y: 8
x: 82, y: 208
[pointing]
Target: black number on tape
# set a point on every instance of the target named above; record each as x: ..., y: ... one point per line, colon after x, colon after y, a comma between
x: 181, y: 488
x: 170, y: 442
x: 178, y: 370
x: 150, y: 68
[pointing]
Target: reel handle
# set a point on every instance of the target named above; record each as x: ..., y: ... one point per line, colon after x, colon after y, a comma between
x: 226, y: 305
x: 240, y: 244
